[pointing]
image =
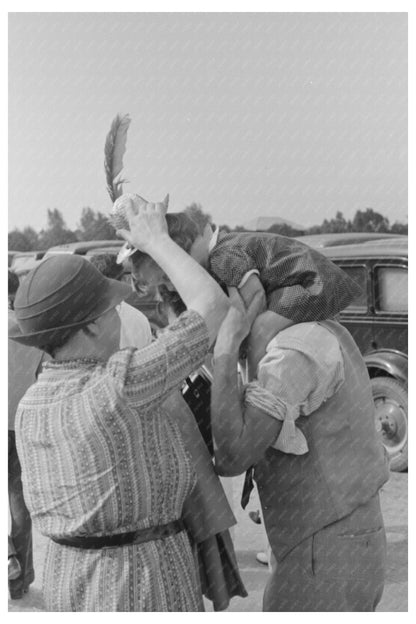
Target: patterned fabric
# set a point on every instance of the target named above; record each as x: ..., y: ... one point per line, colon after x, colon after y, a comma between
x: 302, y: 368
x: 208, y: 515
x: 100, y: 455
x: 300, y: 283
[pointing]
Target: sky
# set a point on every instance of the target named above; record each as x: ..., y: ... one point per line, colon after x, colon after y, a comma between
x: 296, y: 115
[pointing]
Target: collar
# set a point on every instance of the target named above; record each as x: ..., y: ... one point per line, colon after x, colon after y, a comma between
x: 214, y: 239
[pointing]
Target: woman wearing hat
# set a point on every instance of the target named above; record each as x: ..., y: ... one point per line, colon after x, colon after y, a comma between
x: 105, y: 472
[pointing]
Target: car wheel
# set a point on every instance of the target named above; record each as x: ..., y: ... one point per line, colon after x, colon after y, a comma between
x: 390, y: 399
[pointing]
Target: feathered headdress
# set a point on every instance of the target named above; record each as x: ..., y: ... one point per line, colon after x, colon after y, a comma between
x: 115, y: 146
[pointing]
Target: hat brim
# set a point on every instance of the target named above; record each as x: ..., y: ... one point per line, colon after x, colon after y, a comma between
x: 115, y: 293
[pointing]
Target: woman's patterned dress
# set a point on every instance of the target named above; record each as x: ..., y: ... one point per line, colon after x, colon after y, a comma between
x: 101, y: 456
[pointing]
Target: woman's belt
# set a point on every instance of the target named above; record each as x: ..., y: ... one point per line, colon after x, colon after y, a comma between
x: 122, y: 539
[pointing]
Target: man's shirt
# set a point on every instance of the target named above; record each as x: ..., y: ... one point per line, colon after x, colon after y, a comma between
x: 303, y: 367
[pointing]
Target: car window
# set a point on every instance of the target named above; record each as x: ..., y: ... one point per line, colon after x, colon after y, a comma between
x: 391, y: 289
x: 359, y: 275
x: 22, y: 262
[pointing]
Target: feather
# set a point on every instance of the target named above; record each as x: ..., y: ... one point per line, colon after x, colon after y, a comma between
x: 115, y: 146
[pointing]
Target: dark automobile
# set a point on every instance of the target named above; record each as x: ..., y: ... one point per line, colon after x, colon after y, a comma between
x: 24, y: 261
x: 11, y: 255
x: 345, y: 238
x: 378, y: 321
x: 83, y: 247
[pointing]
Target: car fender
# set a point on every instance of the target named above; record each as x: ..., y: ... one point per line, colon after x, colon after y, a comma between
x: 394, y: 363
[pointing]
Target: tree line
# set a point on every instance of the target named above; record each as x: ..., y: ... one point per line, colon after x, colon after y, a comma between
x: 94, y: 225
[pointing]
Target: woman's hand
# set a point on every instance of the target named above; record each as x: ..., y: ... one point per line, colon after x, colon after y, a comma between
x: 237, y: 324
x: 147, y: 223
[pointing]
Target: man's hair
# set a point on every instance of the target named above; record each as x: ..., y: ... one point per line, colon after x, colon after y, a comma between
x: 182, y: 229
x: 172, y: 299
x: 107, y: 265
x: 200, y: 218
x: 52, y: 346
x: 13, y: 283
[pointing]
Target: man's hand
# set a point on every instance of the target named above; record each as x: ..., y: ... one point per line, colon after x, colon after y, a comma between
x: 237, y: 324
x: 251, y: 288
x: 147, y: 223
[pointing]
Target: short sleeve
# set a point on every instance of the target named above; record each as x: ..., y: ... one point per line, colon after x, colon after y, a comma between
x: 147, y: 375
x: 303, y: 366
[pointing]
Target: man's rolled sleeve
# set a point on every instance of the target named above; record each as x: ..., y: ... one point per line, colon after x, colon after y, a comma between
x: 302, y: 368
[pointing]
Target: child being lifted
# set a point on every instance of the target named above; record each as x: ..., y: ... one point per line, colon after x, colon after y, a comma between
x: 300, y: 284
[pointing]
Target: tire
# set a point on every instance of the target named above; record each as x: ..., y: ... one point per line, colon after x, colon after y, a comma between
x: 390, y: 399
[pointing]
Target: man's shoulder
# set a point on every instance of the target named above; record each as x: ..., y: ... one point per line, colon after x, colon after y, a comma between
x: 310, y: 336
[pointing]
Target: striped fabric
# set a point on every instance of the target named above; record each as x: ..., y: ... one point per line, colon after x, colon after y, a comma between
x: 100, y: 455
x: 300, y: 283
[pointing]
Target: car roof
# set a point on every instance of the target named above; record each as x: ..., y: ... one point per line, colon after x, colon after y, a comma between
x: 25, y: 261
x: 36, y: 253
x: 97, y: 251
x: 379, y: 249
x: 83, y: 247
x: 345, y: 238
